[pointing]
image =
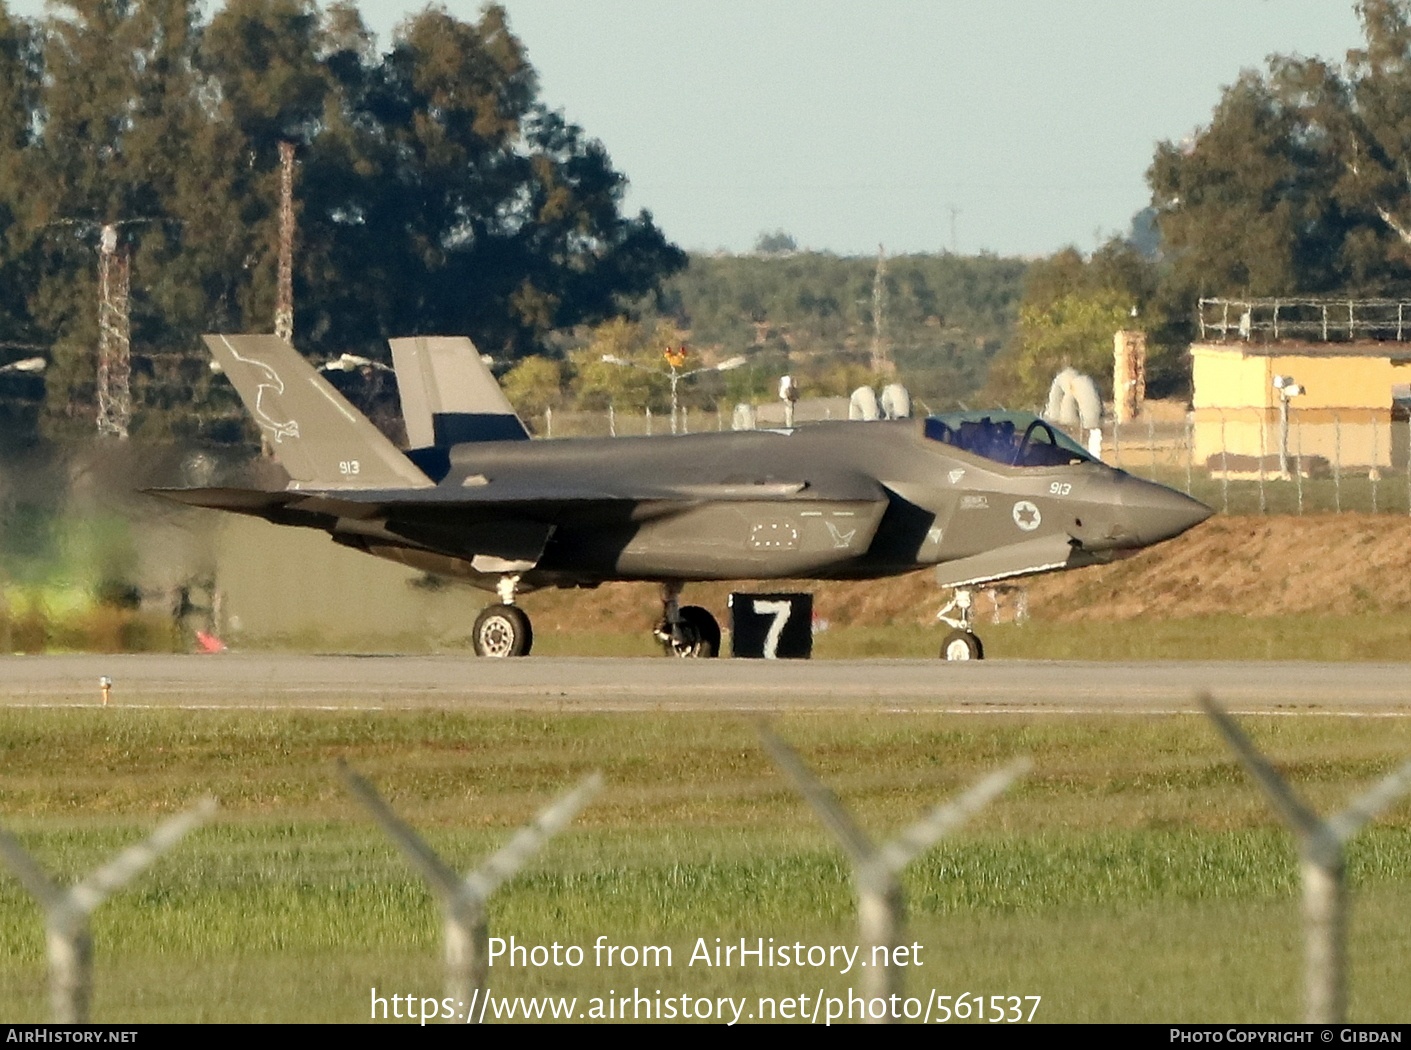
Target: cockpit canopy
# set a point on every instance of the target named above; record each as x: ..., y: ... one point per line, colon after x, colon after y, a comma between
x: 1016, y: 439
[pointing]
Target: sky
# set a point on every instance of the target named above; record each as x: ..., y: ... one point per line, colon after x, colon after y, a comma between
x: 1016, y: 127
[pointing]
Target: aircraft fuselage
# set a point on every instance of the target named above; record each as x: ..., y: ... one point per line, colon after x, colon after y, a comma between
x: 829, y: 500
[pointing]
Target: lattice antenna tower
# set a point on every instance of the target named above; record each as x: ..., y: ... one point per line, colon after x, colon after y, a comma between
x: 882, y: 363
x: 114, y: 334
x: 284, y: 297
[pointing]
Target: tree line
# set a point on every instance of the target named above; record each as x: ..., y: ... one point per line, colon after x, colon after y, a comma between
x: 435, y: 191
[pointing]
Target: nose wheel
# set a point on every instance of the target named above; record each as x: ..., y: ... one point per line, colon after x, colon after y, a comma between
x: 962, y: 643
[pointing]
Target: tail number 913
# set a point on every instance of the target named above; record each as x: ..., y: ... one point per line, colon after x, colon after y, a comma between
x: 348, y: 467
x: 1060, y: 488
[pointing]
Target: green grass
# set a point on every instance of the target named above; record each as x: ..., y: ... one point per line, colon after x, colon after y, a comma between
x: 1370, y: 637
x: 1135, y: 875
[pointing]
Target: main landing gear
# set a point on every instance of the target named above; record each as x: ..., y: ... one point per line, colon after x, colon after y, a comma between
x: 962, y: 643
x: 503, y: 630
x: 685, y: 630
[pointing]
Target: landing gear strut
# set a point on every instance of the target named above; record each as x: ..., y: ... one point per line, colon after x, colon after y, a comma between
x: 962, y: 643
x: 503, y: 630
x: 685, y: 630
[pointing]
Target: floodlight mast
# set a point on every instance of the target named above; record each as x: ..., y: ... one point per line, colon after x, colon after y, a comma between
x: 1287, y: 390
x: 674, y: 360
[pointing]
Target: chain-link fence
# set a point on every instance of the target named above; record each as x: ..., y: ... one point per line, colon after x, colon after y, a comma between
x: 1243, y: 462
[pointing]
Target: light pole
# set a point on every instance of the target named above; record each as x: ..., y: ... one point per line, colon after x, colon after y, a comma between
x: 1287, y: 390
x: 28, y: 365
x: 351, y: 363
x: 675, y: 358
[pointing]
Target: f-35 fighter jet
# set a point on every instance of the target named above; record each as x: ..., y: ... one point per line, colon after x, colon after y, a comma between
x: 979, y: 496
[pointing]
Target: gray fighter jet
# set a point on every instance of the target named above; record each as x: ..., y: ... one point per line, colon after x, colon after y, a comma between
x: 980, y: 496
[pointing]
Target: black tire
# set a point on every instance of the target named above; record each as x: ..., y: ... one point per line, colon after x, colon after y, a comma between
x: 699, y: 634
x: 502, y: 631
x: 962, y: 645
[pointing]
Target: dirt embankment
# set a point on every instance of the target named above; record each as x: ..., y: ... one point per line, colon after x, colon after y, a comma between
x: 1248, y: 566
x: 1245, y: 566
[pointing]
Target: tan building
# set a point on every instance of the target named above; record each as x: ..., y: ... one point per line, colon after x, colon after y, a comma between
x: 1342, y: 413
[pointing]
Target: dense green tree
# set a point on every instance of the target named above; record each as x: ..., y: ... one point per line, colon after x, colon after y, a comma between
x: 1299, y: 182
x: 1071, y: 308
x: 1246, y: 207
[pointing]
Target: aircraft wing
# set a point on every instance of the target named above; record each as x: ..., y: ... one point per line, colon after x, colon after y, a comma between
x: 484, y: 498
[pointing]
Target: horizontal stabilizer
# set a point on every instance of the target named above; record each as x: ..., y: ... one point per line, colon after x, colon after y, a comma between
x: 317, y: 436
x: 239, y: 501
x: 449, y: 396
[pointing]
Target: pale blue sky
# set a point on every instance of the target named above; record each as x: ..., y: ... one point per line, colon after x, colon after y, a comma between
x: 1015, y: 126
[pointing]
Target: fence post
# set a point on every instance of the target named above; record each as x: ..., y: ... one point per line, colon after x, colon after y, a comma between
x: 1320, y: 848
x: 876, y: 870
x: 465, y: 926
x: 1298, y: 464
x: 549, y: 422
x: 1224, y: 465
x: 1263, y: 451
x: 66, y: 912
x: 1375, y: 471
x: 1337, y: 463
x: 612, y: 421
x: 1190, y: 453
x: 649, y: 421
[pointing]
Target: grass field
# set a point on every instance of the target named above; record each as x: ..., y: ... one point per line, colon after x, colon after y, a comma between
x: 1135, y: 875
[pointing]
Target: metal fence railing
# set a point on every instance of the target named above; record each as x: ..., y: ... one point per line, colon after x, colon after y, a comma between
x: 1323, y: 320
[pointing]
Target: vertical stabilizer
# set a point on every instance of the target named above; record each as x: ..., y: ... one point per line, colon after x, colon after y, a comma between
x: 448, y: 394
x: 317, y: 436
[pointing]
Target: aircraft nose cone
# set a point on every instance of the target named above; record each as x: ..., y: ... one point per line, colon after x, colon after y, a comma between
x: 1155, y: 512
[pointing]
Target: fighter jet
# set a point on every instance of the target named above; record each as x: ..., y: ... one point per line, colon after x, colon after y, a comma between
x: 979, y: 496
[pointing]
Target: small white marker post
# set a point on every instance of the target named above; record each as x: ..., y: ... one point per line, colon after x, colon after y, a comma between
x: 462, y: 900
x: 66, y: 911
x: 1320, y: 851
x: 881, y: 909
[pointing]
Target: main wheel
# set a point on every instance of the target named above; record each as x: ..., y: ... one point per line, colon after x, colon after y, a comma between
x: 962, y: 645
x: 502, y: 630
x: 697, y: 635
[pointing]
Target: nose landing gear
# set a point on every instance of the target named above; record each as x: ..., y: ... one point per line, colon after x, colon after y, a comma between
x: 961, y: 643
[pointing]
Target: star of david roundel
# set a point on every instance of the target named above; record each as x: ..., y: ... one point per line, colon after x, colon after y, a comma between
x: 1027, y: 516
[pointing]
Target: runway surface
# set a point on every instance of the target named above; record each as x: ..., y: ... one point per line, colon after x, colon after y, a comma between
x: 296, y: 682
